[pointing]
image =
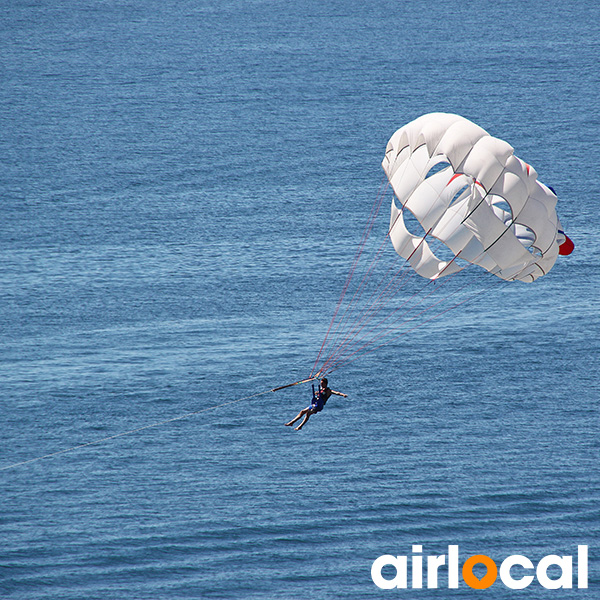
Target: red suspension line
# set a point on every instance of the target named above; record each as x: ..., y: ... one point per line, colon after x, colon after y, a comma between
x: 366, y: 277
x: 340, y: 352
x: 350, y: 307
x: 368, y: 227
x: 367, y: 317
x: 407, y: 260
x: 348, y: 358
x: 377, y: 329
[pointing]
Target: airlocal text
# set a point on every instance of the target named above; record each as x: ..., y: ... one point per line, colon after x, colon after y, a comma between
x: 520, y: 577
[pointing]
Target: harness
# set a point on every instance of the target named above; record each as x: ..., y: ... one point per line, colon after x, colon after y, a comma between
x: 318, y: 401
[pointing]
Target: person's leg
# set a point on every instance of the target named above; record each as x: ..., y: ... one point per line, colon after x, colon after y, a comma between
x: 306, y: 417
x: 298, y: 416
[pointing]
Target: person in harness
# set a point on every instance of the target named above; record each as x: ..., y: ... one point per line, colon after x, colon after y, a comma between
x: 319, y: 400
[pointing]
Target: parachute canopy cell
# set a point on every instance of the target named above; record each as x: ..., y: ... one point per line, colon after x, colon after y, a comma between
x: 469, y: 192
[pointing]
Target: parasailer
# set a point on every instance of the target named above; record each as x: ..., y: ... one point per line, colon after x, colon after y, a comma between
x: 319, y: 399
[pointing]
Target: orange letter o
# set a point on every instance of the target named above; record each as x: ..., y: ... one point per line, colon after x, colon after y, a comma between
x: 487, y: 580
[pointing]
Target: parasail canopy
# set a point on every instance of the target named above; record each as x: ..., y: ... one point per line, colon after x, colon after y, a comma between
x: 469, y: 192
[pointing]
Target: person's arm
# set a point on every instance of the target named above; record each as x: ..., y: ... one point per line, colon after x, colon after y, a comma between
x: 339, y: 394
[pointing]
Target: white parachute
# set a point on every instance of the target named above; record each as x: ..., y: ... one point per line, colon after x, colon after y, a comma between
x: 469, y: 191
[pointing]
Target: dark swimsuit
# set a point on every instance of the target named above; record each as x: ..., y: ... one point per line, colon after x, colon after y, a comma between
x: 318, y: 402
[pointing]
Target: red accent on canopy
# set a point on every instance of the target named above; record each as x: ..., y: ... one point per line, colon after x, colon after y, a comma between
x: 458, y: 175
x: 566, y: 247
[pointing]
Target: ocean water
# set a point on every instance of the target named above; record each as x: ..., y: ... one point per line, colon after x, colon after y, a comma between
x: 183, y: 187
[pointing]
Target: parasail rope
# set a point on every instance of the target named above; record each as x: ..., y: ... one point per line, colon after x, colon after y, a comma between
x: 375, y: 307
x: 340, y: 327
x: 157, y: 424
x: 366, y: 232
x: 366, y: 317
x: 347, y: 360
x: 369, y: 312
x: 343, y: 353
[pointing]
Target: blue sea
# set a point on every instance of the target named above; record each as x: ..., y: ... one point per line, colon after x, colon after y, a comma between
x: 183, y: 188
